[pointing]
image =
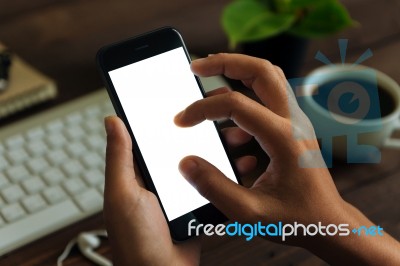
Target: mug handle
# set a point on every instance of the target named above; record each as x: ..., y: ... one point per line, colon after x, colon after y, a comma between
x: 393, y: 142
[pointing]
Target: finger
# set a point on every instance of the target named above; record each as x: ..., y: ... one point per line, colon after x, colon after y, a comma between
x: 222, y: 192
x: 271, y: 131
x: 260, y: 75
x: 120, y: 173
x: 246, y: 164
x: 235, y: 136
x: 218, y: 91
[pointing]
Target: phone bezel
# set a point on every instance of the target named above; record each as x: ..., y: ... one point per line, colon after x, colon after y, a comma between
x: 130, y: 51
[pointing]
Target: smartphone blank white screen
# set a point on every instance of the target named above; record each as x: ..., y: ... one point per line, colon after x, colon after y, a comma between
x: 152, y: 92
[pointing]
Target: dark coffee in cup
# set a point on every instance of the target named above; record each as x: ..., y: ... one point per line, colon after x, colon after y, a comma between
x: 380, y: 101
x: 356, y: 102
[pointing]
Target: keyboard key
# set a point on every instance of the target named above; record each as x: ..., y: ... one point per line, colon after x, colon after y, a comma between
x: 38, y: 165
x: 55, y: 126
x: 94, y: 125
x: 96, y: 142
x: 33, y: 185
x: 89, y: 200
x: 92, y: 111
x: 74, y: 118
x: 53, y: 176
x: 12, y: 212
x: 57, y: 157
x: 92, y: 159
x: 15, y: 142
x: 54, y: 194
x: 18, y: 155
x: 12, y: 193
x: 93, y: 177
x: 56, y: 140
x: 74, y: 185
x: 37, y: 148
x: 76, y: 149
x: 75, y: 133
x: 72, y: 168
x: 35, y: 133
x: 17, y: 173
x: 34, y: 203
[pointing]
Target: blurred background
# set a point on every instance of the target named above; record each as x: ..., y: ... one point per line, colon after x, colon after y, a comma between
x: 60, y: 38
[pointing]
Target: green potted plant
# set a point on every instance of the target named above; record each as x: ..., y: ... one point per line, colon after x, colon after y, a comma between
x: 263, y: 28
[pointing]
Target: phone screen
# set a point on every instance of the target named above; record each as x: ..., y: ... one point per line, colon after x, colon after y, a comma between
x: 152, y: 91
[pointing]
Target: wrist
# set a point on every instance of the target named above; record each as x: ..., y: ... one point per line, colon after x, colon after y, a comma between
x: 368, y: 245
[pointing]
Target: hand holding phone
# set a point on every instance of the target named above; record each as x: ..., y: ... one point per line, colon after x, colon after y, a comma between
x: 136, y: 226
x: 149, y: 81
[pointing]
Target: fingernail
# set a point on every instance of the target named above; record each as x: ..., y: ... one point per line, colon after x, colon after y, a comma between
x: 187, y: 167
x: 108, y: 124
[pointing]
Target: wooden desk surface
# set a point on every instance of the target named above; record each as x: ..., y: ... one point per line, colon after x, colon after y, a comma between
x: 373, y: 188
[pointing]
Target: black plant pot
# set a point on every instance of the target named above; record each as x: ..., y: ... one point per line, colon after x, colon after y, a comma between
x: 285, y: 51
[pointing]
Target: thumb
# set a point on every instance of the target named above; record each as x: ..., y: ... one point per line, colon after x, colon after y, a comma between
x: 120, y: 178
x: 235, y: 201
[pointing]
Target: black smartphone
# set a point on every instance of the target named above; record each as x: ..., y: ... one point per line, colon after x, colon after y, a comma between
x: 149, y: 81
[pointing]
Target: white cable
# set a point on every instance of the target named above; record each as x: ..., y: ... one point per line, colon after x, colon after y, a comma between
x: 72, y: 242
x: 97, y: 259
x: 66, y: 252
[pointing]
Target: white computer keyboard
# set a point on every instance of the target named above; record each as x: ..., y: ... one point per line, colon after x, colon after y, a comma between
x: 52, y: 169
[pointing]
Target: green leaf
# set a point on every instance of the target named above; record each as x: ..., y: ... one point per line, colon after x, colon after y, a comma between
x: 323, y: 19
x: 250, y: 20
x: 296, y: 4
x: 282, y: 6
